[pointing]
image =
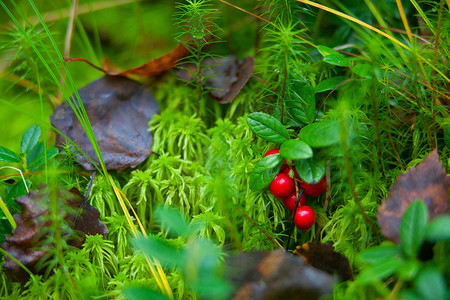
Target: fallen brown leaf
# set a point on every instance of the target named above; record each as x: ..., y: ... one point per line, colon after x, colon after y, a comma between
x: 119, y: 110
x: 226, y: 76
x: 427, y: 181
x: 153, y: 67
x: 276, y: 275
x: 33, y: 223
x: 323, y: 257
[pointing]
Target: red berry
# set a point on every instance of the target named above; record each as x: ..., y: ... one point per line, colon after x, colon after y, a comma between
x: 304, y: 217
x: 315, y: 189
x: 276, y: 151
x: 282, y: 186
x: 272, y: 151
x: 289, y: 202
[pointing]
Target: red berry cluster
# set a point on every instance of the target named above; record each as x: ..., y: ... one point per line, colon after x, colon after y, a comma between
x: 283, y: 186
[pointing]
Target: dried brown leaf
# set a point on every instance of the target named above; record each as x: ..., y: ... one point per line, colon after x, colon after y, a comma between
x: 119, y: 110
x: 427, y: 181
x: 276, y: 275
x: 323, y: 257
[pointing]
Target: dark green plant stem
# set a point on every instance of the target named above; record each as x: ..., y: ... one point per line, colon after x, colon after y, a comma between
x: 300, y: 193
x: 377, y: 126
x: 436, y: 46
x: 257, y: 226
x: 350, y: 179
x: 283, y: 89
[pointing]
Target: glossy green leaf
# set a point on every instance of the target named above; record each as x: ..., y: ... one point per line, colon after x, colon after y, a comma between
x: 160, y: 249
x: 408, y: 269
x: 430, y: 285
x: 412, y: 228
x: 363, y: 70
x: 36, y: 151
x: 139, y: 293
x: 300, y: 101
x: 310, y: 169
x: 447, y: 136
x: 381, y: 270
x: 378, y: 254
x: 267, y: 127
x: 30, y: 138
x: 333, y: 57
x: 40, y: 160
x: 172, y: 220
x: 329, y: 83
x: 438, y: 229
x: 265, y: 171
x: 8, y: 155
x: 295, y: 149
x: 321, y: 134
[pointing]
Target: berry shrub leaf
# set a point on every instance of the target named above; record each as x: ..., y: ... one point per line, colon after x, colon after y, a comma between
x: 265, y: 171
x: 40, y: 160
x: 430, y: 284
x: 8, y: 155
x: 30, y: 138
x: 413, y: 227
x: 439, y: 229
x: 333, y: 57
x: 295, y: 149
x: 267, y: 127
x: 311, y: 169
x: 378, y: 254
x: 329, y: 84
x: 301, y: 103
x: 321, y: 134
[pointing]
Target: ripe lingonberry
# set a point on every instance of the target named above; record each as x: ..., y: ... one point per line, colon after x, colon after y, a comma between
x: 289, y: 202
x: 304, y: 217
x: 282, y: 186
x: 275, y: 151
x: 315, y: 189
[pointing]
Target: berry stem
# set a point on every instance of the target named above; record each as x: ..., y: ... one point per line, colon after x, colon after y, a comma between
x: 300, y: 193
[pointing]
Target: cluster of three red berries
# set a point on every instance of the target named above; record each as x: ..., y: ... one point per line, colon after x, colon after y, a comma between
x: 283, y: 186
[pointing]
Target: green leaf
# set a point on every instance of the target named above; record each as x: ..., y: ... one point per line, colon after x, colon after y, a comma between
x: 333, y: 57
x: 36, y: 151
x: 430, y: 285
x: 300, y: 101
x: 363, y: 70
x: 412, y: 228
x: 447, y: 136
x: 321, y: 134
x: 138, y: 293
x: 8, y: 155
x: 159, y: 249
x: 311, y: 169
x: 382, y: 269
x: 265, y: 171
x: 30, y: 138
x: 42, y: 158
x: 295, y: 149
x: 377, y: 254
x: 408, y: 270
x: 171, y: 219
x: 267, y: 127
x: 438, y: 229
x: 329, y: 84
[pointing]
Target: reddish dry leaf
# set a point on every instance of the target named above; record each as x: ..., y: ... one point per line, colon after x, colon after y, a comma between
x: 32, y: 226
x: 276, y: 275
x: 154, y: 67
x: 323, y: 257
x: 226, y: 76
x: 119, y: 110
x: 428, y: 181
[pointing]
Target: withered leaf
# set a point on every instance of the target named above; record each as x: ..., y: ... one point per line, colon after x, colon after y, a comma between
x: 153, y: 67
x: 226, y: 76
x: 427, y: 181
x: 119, y: 110
x: 33, y: 224
x: 275, y: 275
x: 323, y: 257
